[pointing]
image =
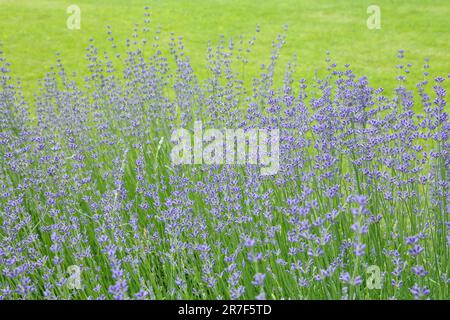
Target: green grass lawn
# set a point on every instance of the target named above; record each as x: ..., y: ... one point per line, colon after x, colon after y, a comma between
x: 31, y: 31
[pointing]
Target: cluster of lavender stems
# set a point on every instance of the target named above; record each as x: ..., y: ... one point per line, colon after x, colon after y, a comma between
x: 86, y: 180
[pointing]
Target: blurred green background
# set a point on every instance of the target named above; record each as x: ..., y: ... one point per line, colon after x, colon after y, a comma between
x: 31, y: 31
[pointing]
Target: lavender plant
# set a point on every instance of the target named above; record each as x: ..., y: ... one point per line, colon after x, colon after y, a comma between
x: 86, y: 180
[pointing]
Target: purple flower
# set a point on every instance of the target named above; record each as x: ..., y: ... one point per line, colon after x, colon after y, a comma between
x: 419, y: 292
x: 415, y: 251
x: 419, y: 270
x: 258, y: 279
x: 359, y: 249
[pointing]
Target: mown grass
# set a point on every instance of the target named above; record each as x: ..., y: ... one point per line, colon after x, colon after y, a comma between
x: 32, y: 31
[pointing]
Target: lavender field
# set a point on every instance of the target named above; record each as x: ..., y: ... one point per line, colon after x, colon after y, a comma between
x: 92, y: 205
